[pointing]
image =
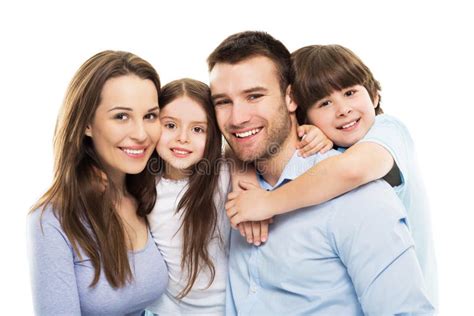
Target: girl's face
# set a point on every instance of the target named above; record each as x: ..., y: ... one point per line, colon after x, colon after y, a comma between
x: 183, y: 140
x: 345, y: 116
x: 125, y: 126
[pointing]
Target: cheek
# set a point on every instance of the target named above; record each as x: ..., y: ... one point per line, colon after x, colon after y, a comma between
x: 155, y: 132
x: 163, y: 142
x: 222, y: 116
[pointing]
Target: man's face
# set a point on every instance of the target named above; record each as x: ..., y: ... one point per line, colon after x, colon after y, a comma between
x: 251, y: 111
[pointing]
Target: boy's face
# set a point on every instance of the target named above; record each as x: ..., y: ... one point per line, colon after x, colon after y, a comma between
x: 345, y: 116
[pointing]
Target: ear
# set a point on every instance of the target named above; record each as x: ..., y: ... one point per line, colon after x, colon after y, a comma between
x: 88, y: 131
x: 290, y: 104
x: 376, y: 100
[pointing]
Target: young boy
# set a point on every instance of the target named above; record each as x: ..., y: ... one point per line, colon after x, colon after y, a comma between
x: 336, y: 92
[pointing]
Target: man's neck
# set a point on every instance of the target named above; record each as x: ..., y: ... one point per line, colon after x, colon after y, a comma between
x: 272, y: 168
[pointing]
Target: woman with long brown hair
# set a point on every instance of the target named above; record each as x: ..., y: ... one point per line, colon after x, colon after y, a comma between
x: 90, y: 248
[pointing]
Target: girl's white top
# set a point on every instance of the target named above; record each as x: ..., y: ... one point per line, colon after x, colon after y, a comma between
x: 165, y: 225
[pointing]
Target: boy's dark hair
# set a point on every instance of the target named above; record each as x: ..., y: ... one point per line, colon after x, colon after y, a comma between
x: 241, y: 46
x: 320, y: 70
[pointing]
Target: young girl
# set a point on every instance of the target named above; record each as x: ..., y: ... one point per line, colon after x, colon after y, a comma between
x: 90, y: 250
x: 189, y: 223
x: 336, y: 92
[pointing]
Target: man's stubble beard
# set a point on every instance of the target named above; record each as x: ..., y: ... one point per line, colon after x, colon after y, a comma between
x: 277, y: 134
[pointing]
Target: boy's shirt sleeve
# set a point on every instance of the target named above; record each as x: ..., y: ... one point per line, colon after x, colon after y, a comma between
x: 393, y: 135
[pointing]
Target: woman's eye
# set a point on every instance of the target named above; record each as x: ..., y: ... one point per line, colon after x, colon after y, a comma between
x: 121, y: 116
x: 151, y: 116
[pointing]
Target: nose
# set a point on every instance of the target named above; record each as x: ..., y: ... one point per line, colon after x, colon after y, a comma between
x: 182, y: 136
x: 240, y: 114
x: 138, y: 132
x: 343, y: 109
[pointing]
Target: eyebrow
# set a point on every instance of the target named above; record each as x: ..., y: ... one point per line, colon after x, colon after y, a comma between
x: 123, y: 108
x: 177, y: 119
x: 250, y: 90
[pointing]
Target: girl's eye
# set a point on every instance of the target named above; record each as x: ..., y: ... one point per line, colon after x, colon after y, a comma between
x: 198, y: 129
x: 121, y: 116
x: 170, y: 125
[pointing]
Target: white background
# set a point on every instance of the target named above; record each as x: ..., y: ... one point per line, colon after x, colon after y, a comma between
x: 421, y: 52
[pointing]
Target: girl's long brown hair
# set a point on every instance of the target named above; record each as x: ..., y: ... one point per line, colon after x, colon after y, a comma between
x: 78, y: 197
x: 199, y: 210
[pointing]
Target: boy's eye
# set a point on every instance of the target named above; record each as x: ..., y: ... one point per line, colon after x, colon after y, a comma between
x: 350, y: 92
x: 121, y: 116
x: 324, y: 103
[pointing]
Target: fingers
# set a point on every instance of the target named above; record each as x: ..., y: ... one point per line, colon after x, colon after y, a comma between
x: 264, y: 230
x: 232, y: 195
x: 247, y: 185
x: 241, y: 230
x: 328, y: 146
x: 248, y: 231
x: 256, y: 233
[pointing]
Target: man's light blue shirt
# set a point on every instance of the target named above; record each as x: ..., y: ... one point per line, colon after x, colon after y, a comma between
x: 352, y: 255
x: 392, y: 134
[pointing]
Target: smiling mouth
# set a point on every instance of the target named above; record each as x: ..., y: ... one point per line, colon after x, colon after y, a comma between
x: 133, y: 152
x: 247, y: 133
x: 349, y: 125
x: 181, y: 152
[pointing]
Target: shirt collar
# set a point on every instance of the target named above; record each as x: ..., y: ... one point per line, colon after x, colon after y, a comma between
x: 295, y: 167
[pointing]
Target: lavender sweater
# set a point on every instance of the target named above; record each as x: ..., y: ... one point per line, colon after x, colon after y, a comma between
x: 60, y: 280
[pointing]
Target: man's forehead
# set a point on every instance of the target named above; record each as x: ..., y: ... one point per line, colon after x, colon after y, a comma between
x: 258, y: 71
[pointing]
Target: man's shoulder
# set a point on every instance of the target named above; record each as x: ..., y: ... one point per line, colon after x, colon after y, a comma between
x: 375, y: 202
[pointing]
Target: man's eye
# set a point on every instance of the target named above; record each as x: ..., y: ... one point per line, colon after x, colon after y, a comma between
x: 221, y: 102
x: 121, y: 116
x: 254, y: 96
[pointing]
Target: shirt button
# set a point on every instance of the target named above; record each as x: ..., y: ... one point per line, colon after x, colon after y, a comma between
x: 253, y: 289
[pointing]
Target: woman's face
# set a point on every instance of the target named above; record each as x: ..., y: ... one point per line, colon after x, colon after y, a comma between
x: 125, y: 127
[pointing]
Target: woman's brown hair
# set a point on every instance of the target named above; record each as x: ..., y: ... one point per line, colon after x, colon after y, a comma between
x: 199, y: 225
x: 321, y: 69
x: 85, y: 207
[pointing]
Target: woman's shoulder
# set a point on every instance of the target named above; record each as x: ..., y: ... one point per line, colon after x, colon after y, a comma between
x: 43, y: 224
x: 44, y: 215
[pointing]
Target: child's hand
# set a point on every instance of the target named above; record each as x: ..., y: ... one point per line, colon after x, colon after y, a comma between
x: 255, y: 232
x: 313, y: 141
x: 251, y: 204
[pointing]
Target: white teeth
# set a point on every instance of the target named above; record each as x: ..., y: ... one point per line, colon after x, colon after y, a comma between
x: 181, y: 152
x: 248, y: 133
x: 349, y: 125
x: 133, y: 151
